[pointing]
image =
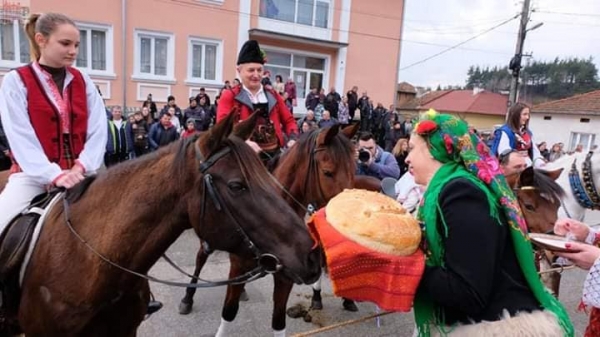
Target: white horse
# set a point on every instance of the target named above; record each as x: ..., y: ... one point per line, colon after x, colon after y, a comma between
x: 573, y: 206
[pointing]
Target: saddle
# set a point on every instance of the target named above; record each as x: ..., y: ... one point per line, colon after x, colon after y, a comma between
x: 14, y: 244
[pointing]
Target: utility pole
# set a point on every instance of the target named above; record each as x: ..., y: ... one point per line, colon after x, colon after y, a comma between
x: 515, y: 62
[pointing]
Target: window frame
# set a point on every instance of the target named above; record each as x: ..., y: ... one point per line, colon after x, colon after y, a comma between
x: 9, y: 64
x: 137, y: 57
x: 192, y: 80
x: 314, y: 14
x: 109, y: 48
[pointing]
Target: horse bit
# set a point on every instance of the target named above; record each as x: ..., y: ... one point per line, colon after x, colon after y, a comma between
x: 267, y: 263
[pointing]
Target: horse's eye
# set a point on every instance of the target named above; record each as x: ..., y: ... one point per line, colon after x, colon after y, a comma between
x: 529, y: 207
x: 328, y: 174
x: 236, y: 187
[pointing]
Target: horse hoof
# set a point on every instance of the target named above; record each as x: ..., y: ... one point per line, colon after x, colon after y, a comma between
x: 316, y: 305
x: 296, y: 312
x: 244, y: 296
x: 153, y: 306
x: 349, y: 305
x: 185, y: 308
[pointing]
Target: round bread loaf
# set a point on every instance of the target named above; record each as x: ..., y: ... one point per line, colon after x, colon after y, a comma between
x: 375, y: 221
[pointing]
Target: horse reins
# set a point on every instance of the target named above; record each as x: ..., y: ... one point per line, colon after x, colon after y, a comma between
x: 267, y: 263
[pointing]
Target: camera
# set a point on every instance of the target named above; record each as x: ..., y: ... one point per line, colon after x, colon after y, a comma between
x: 364, y: 155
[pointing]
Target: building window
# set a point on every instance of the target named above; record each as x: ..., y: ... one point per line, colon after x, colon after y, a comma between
x: 547, y: 118
x: 14, y: 46
x: 587, y: 140
x: 584, y: 120
x: 205, y: 61
x: 307, y: 71
x: 95, y: 49
x: 304, y: 12
x: 154, y: 56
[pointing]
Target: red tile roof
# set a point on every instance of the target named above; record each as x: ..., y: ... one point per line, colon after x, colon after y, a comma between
x: 583, y: 104
x: 486, y: 103
x: 419, y: 101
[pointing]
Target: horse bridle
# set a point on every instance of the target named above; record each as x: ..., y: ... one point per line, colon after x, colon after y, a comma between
x: 313, y: 168
x: 266, y: 263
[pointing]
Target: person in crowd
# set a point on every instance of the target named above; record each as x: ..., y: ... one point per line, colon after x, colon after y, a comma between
x: 276, y: 127
x: 512, y: 162
x: 290, y: 90
x: 319, y: 109
x: 174, y: 119
x: 308, y: 126
x: 584, y: 253
x: 327, y: 120
x: 190, y: 129
x: 312, y: 99
x: 480, y: 277
x: 343, y: 112
x: 52, y: 115
x: 176, y: 110
x: 203, y: 93
x: 162, y: 133
x: 199, y: 114
x: 140, y: 129
x: 544, y: 150
x: 408, y: 192
x: 516, y: 135
x: 352, y: 96
x: 279, y: 86
x: 147, y: 117
x: 400, y: 152
x: 555, y: 153
x: 309, y: 117
x: 119, y: 145
x: 332, y: 101
x: 366, y: 113
x: 153, y: 110
x: 373, y: 161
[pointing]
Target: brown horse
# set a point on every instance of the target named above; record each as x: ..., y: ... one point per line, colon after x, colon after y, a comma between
x: 539, y: 196
x: 318, y: 167
x: 133, y: 212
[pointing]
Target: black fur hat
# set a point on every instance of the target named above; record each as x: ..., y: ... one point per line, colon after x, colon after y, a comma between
x: 251, y: 53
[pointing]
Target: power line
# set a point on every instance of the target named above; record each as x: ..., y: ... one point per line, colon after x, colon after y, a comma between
x: 566, y: 13
x: 460, y: 44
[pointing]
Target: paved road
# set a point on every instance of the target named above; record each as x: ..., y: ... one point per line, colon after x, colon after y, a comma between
x: 254, y: 316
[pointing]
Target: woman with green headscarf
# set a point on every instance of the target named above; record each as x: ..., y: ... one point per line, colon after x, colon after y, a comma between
x: 480, y: 278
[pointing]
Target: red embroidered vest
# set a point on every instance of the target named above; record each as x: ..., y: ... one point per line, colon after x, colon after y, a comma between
x: 46, y: 119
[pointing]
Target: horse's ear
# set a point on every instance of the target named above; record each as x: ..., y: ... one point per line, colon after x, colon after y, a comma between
x: 351, y: 130
x: 554, y: 174
x: 327, y: 135
x: 222, y: 130
x: 245, y: 128
x: 526, y: 177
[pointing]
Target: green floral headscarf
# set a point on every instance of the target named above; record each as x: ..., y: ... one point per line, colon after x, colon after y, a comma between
x: 464, y: 155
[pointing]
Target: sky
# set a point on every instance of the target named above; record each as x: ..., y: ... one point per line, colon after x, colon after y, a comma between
x: 570, y: 29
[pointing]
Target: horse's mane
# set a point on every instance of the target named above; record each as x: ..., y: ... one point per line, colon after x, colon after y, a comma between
x: 547, y: 186
x: 246, y: 159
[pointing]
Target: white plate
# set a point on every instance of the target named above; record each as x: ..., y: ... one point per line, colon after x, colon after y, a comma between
x: 550, y: 242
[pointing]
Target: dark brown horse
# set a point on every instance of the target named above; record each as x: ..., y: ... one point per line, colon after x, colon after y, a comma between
x: 318, y: 167
x: 539, y: 196
x: 134, y: 211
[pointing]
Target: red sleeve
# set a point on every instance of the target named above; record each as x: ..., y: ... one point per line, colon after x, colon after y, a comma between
x: 225, y: 104
x: 286, y: 118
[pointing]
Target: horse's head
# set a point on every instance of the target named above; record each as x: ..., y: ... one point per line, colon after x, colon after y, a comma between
x: 539, y: 197
x: 319, y: 166
x: 234, y: 206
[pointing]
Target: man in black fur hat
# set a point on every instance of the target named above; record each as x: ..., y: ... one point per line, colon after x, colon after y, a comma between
x: 276, y: 127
